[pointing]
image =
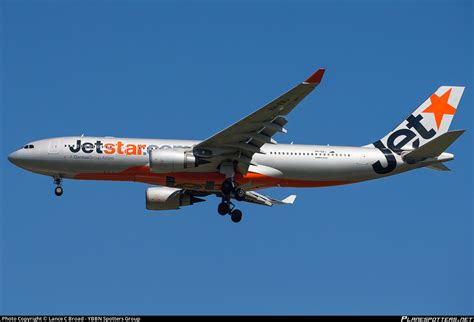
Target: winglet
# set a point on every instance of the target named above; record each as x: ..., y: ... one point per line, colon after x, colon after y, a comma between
x: 289, y: 200
x: 316, y: 77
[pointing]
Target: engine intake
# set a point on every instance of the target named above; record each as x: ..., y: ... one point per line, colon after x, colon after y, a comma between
x: 165, y: 198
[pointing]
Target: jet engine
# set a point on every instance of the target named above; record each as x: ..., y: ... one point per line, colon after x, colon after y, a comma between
x: 172, y: 160
x: 165, y: 198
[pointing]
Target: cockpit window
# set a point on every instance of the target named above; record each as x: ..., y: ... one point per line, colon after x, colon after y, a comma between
x: 25, y: 147
x: 31, y: 146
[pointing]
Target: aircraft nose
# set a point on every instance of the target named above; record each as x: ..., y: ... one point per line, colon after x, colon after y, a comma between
x: 27, y: 160
x: 13, y: 157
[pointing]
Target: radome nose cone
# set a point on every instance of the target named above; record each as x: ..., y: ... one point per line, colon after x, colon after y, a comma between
x: 13, y: 157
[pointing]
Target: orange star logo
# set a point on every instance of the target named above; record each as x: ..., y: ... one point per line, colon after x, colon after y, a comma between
x: 440, y: 107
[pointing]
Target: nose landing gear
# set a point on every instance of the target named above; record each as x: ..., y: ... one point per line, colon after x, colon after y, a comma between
x: 58, y: 191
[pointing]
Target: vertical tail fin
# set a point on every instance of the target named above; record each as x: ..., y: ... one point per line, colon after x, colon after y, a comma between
x: 430, y: 120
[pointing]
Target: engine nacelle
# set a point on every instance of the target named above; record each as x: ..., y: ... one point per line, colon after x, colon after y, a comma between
x: 171, y: 160
x: 166, y: 198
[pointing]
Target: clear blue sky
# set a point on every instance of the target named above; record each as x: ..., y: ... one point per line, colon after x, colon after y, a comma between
x: 186, y: 70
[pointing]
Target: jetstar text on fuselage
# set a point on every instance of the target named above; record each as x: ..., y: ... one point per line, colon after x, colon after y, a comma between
x: 108, y: 148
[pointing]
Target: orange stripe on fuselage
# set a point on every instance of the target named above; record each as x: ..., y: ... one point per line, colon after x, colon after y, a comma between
x: 143, y: 174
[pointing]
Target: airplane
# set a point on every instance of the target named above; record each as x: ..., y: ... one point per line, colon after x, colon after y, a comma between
x: 243, y: 158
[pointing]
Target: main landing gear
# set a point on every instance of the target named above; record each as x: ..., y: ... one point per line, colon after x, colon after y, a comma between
x: 58, y: 191
x: 227, y: 188
x: 226, y: 206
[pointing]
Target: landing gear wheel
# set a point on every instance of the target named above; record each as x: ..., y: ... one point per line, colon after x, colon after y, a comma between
x: 227, y: 187
x: 239, y: 194
x: 236, y: 215
x: 223, y: 208
x: 58, y: 191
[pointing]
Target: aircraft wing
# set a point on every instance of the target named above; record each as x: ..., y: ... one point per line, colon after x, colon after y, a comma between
x: 250, y: 196
x: 255, y: 197
x: 243, y: 139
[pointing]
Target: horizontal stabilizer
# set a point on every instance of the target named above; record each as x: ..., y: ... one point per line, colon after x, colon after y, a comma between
x: 439, y: 167
x: 433, y: 148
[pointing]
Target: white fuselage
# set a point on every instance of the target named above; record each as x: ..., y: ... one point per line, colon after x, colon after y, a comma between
x: 127, y: 159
